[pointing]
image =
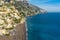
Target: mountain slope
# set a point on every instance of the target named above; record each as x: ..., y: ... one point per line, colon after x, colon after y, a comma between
x: 28, y: 8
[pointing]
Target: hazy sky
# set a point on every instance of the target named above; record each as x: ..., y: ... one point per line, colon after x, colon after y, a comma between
x: 49, y: 5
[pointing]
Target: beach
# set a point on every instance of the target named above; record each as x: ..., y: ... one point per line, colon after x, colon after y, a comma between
x: 20, y: 33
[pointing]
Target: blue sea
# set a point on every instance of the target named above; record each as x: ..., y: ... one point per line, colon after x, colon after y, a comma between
x: 44, y: 26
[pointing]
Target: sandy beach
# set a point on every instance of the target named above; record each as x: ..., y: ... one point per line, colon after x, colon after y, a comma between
x: 20, y: 33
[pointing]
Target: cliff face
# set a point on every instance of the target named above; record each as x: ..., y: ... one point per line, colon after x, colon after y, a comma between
x: 28, y: 8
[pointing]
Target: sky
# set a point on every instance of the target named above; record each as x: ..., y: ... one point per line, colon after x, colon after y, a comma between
x: 49, y: 5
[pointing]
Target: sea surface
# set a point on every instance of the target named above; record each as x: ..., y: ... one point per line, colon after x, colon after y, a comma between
x: 44, y: 26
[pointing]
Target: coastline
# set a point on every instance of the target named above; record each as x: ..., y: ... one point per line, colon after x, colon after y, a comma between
x: 26, y: 30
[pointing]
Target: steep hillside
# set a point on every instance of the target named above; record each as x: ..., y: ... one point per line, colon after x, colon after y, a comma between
x: 27, y: 8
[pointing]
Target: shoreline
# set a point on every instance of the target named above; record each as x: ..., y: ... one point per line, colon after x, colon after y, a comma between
x: 26, y: 30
